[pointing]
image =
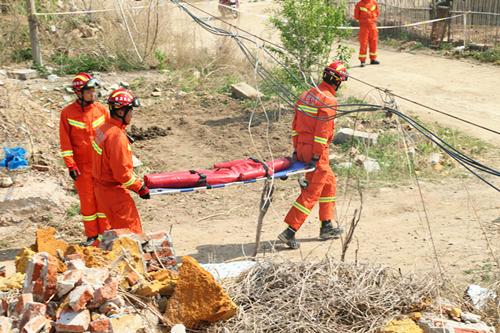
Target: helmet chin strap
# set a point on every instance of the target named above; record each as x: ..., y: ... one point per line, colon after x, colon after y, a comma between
x: 122, y: 118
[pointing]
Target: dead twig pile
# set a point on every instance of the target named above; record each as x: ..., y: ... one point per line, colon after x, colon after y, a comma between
x: 325, y: 296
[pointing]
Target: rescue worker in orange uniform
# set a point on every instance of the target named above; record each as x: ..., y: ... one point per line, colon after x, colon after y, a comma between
x: 113, y: 169
x: 367, y: 13
x: 77, y: 126
x: 312, y: 131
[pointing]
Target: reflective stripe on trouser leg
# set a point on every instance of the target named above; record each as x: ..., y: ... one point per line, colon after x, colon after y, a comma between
x: 84, y: 185
x: 327, y: 198
x: 307, y: 199
x: 119, y: 207
x: 363, y: 42
x: 102, y: 221
x: 373, y: 41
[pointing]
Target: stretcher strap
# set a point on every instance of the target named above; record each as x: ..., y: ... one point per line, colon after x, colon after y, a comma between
x: 203, y: 178
x: 266, y: 167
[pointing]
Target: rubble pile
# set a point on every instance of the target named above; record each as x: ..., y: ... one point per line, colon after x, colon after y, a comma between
x: 59, y: 287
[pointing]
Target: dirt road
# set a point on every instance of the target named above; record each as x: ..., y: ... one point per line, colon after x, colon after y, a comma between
x: 465, y: 89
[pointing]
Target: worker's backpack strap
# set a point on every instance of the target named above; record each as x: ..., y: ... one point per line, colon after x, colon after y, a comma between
x: 203, y: 178
x: 266, y: 167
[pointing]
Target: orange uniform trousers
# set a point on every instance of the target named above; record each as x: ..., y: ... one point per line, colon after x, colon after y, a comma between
x: 118, y: 206
x: 94, y: 219
x: 321, y: 187
x: 368, y: 37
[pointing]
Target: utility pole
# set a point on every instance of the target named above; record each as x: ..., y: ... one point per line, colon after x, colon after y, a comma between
x: 33, y: 24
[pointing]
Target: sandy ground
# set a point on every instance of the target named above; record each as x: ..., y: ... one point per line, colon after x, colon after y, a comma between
x: 219, y: 225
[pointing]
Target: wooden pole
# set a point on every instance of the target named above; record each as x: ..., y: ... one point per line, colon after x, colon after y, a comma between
x: 265, y: 202
x: 33, y: 25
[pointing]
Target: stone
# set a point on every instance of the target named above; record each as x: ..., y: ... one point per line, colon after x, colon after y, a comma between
x: 69, y: 90
x: 52, y: 78
x: 345, y: 165
x: 76, y: 264
x: 79, y: 297
x: 71, y: 321
x: 455, y: 313
x: 12, y: 282
x: 109, y: 308
x: 371, y: 165
x: 2, y: 83
x: 243, y: 90
x: 41, y: 277
x: 124, y: 84
x: 345, y: 135
x: 434, y: 158
x: 178, y: 328
x: 95, y: 277
x: 5, y: 325
x: 39, y: 167
x: 136, y: 162
x: 156, y: 94
x: 109, y: 237
x: 4, y: 307
x: 198, y: 298
x: 46, y: 241
x: 101, y: 325
x: 133, y: 278
x: 35, y: 325
x: 3, y: 73
x: 401, y: 326
x: 434, y: 324
x: 23, y: 74
x: 130, y: 323
x: 107, y: 292
x: 6, y: 181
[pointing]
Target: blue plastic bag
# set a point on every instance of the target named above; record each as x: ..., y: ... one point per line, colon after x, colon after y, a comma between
x: 15, y: 158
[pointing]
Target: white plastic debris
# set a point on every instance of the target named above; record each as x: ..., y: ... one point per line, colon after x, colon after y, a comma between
x: 228, y: 270
x: 480, y: 295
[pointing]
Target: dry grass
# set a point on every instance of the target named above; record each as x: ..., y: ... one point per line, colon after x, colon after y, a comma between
x: 325, y: 296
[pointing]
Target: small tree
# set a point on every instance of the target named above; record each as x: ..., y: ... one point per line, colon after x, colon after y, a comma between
x: 309, y: 29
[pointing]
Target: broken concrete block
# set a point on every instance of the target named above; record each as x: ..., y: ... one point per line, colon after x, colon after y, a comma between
x: 109, y: 308
x: 132, y: 250
x: 245, y: 91
x: 46, y: 241
x: 468, y: 317
x: 35, y: 325
x: 23, y: 74
x: 344, y: 135
x: 79, y: 297
x: 76, y: 264
x: 68, y: 281
x: 5, y: 325
x: 133, y: 278
x: 22, y: 259
x: 14, y: 281
x: 101, y: 325
x: 130, y: 323
x: 95, y: 277
x: 6, y: 181
x: 107, y: 292
x: 71, y: 321
x: 434, y: 324
x: 198, y: 298
x: 30, y: 311
x: 401, y: 326
x: 41, y: 277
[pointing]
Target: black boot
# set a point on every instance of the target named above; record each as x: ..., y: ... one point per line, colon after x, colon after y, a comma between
x: 91, y: 241
x: 288, y: 237
x: 327, y: 231
x: 362, y: 64
x: 374, y: 62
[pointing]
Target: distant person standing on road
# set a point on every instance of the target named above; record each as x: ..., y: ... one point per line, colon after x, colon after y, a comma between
x: 367, y: 13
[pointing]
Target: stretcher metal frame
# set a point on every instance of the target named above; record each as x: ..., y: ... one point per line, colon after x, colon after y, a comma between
x: 297, y: 168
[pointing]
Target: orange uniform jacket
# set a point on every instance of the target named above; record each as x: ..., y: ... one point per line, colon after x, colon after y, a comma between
x: 76, y: 131
x: 113, y: 175
x: 366, y: 11
x: 313, y: 126
x: 312, y: 131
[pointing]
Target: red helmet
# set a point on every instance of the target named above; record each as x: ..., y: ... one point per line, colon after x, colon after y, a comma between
x: 121, y: 97
x: 336, y: 72
x: 84, y: 81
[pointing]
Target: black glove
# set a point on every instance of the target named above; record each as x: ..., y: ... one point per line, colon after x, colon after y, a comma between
x: 313, y: 163
x: 74, y: 172
x: 144, y: 192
